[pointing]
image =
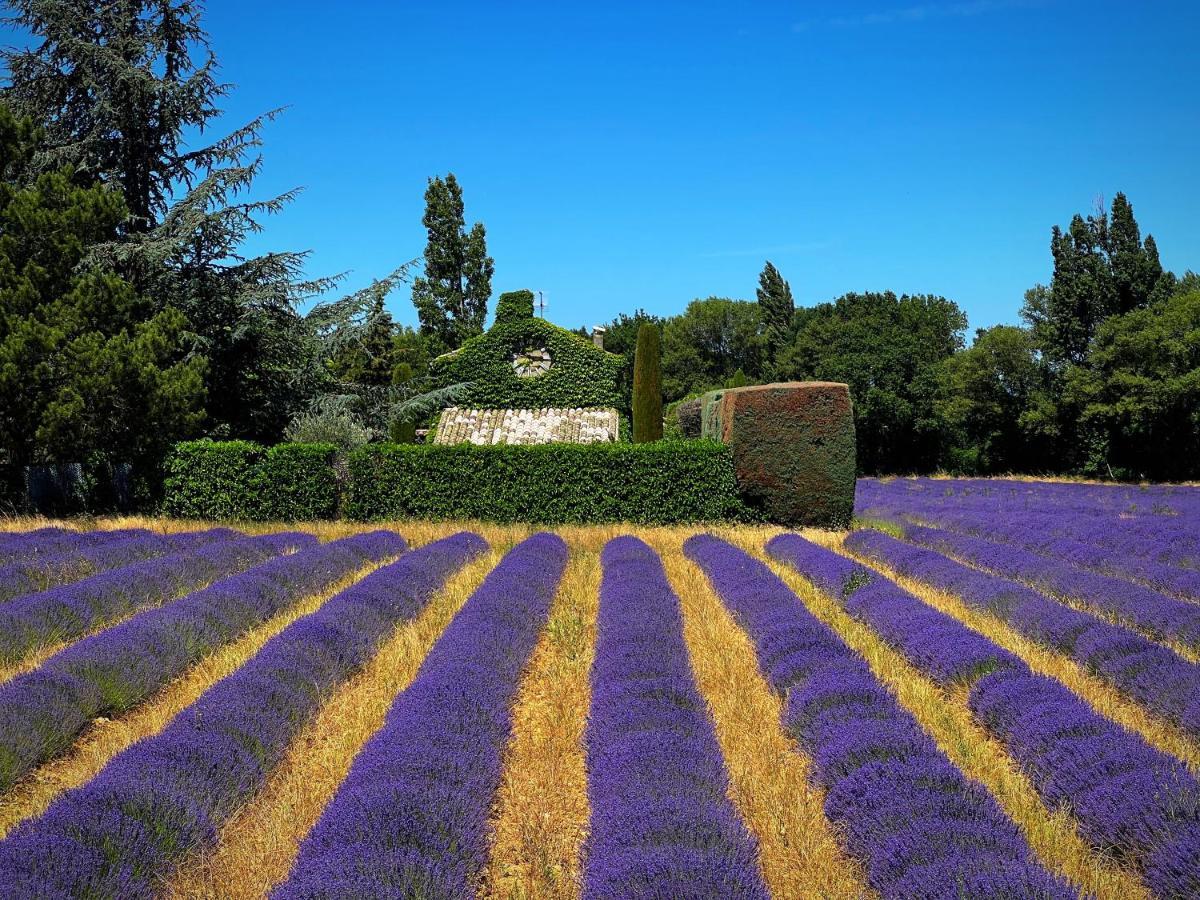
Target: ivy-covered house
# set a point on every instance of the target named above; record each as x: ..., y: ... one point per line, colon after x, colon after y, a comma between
x: 528, y: 364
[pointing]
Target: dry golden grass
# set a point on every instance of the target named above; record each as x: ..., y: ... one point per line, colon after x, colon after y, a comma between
x: 945, y: 716
x: 541, y: 813
x: 108, y: 737
x: 769, y: 776
x: 256, y: 848
x: 1100, y: 695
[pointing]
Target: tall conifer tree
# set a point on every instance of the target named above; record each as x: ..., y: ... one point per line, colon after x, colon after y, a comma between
x: 778, y: 307
x: 452, y: 297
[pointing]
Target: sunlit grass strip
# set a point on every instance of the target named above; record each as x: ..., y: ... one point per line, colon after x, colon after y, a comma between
x: 31, y: 623
x: 257, y: 847
x: 1152, y: 675
x: 918, y: 824
x: 1129, y: 798
x: 770, y: 778
x: 164, y: 796
x: 542, y: 808
x: 105, y: 738
x: 1155, y: 614
x: 661, y: 821
x: 42, y: 711
x: 411, y: 817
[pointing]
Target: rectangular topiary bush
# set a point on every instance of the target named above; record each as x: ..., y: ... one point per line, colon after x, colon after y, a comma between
x: 242, y: 480
x: 658, y: 483
x: 793, y: 448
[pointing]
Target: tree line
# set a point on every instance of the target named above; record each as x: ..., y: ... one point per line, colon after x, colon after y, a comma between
x: 1101, y: 379
x: 131, y: 315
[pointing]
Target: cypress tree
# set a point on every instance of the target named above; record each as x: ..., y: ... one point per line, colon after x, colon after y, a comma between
x: 778, y: 307
x: 647, y: 386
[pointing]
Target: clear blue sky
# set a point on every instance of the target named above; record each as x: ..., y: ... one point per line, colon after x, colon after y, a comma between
x: 643, y: 154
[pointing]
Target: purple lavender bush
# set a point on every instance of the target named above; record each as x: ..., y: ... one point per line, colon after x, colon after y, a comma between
x: 1150, y: 674
x: 42, y: 711
x: 62, y: 613
x: 410, y: 820
x: 121, y: 833
x: 1144, y: 608
x: 79, y: 560
x: 1129, y: 799
x: 921, y: 827
x: 661, y: 823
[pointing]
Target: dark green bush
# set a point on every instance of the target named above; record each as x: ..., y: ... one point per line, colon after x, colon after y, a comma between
x: 242, y: 480
x: 660, y: 483
x: 581, y: 374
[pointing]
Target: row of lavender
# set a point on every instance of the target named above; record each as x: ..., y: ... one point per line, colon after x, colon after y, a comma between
x: 1152, y: 535
x: 37, y: 563
x: 1129, y: 799
x: 921, y: 827
x: 42, y: 711
x: 118, y: 835
x: 1152, y: 675
x: 65, y: 612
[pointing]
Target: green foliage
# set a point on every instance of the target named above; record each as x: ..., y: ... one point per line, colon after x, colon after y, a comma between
x: 242, y: 480
x: 335, y: 427
x: 581, y: 375
x: 989, y: 398
x: 212, y: 480
x: 125, y: 91
x: 1138, y: 398
x: 778, y: 307
x: 451, y: 299
x: 370, y: 357
x: 647, y: 387
x: 712, y: 340
x: 86, y: 364
x: 1102, y: 268
x: 659, y: 483
x: 889, y: 350
x: 296, y: 482
x: 514, y: 306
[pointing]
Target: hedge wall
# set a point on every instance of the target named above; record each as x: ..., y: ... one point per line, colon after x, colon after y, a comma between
x: 242, y: 480
x: 581, y: 374
x: 658, y: 483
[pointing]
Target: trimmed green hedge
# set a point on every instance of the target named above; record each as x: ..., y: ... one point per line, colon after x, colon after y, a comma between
x: 660, y: 483
x: 242, y: 480
x: 581, y: 374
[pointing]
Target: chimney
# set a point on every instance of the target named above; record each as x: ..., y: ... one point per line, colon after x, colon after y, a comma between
x: 598, y: 336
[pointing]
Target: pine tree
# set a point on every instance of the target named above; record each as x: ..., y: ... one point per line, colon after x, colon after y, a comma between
x: 372, y: 357
x: 452, y: 297
x: 87, y: 368
x: 121, y: 87
x: 647, y: 386
x: 775, y: 299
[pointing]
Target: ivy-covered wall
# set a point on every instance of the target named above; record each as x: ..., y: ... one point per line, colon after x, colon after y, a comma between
x: 580, y: 375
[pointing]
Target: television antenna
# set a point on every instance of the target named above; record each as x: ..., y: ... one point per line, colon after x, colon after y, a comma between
x: 542, y: 303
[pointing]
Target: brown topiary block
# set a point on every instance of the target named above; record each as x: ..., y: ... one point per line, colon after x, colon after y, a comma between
x: 793, y: 448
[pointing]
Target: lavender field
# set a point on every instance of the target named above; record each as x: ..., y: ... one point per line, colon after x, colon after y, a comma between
x: 988, y: 689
